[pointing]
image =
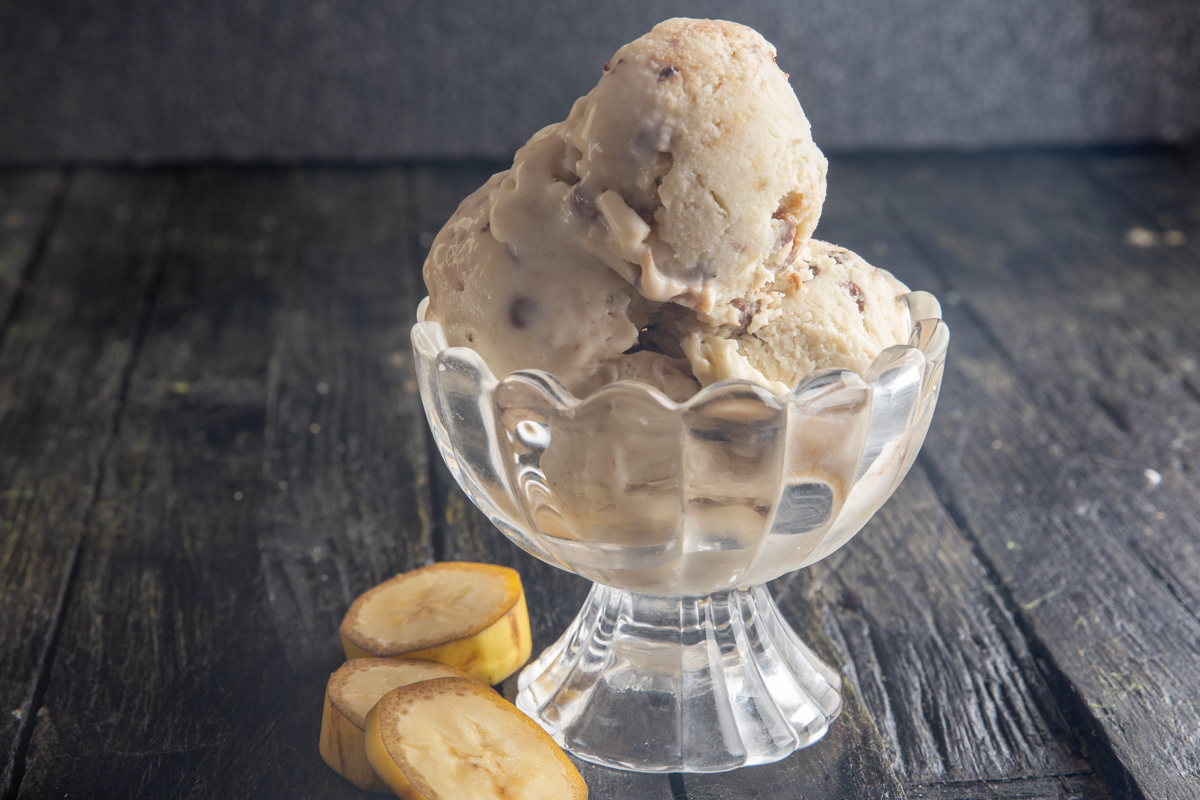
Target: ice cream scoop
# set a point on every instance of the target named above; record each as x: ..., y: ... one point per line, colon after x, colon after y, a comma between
x: 834, y: 310
x: 661, y: 233
x: 694, y: 151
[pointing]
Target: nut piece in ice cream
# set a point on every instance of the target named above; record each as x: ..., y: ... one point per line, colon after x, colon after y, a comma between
x: 687, y: 177
x: 353, y: 690
x: 834, y: 310
x: 451, y: 738
x: 470, y: 616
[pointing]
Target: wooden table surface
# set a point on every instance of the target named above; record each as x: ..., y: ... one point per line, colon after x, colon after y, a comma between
x: 211, y: 442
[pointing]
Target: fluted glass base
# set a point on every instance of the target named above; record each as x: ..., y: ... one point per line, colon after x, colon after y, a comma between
x: 669, y: 684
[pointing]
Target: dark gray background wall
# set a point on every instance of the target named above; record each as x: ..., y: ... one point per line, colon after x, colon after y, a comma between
x: 151, y: 80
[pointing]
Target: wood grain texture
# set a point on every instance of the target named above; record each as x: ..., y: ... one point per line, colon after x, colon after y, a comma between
x: 64, y: 360
x: 28, y: 214
x: 931, y: 642
x: 218, y: 426
x: 1070, y: 787
x: 345, y: 428
x: 198, y: 639
x: 1060, y: 446
x: 948, y: 677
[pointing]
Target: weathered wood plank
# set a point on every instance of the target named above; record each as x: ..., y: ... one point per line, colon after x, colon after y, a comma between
x: 345, y: 428
x: 345, y: 432
x: 1052, y: 417
x: 1164, y: 190
x: 64, y: 358
x: 198, y: 640
x: 28, y: 213
x: 1067, y: 787
x: 931, y: 643
x: 1127, y: 336
x: 234, y: 600
x: 947, y: 674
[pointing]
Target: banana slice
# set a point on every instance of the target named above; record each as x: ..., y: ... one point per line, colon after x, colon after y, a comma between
x: 352, y: 691
x: 450, y: 738
x: 470, y: 616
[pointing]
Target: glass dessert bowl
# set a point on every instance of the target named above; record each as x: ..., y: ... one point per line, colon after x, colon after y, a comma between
x: 681, y: 513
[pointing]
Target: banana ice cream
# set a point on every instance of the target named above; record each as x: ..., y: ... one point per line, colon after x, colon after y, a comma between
x: 662, y: 233
x: 833, y: 309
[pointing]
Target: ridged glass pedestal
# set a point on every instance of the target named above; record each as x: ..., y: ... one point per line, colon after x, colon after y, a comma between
x: 671, y: 684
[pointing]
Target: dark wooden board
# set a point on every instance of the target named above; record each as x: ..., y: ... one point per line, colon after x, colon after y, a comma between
x: 948, y: 676
x: 30, y: 203
x: 64, y: 360
x: 202, y: 624
x: 1054, y: 410
x: 210, y: 442
x: 345, y: 428
x: 1065, y: 786
x: 933, y: 644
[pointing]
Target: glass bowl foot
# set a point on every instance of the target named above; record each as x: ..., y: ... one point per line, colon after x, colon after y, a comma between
x: 680, y: 684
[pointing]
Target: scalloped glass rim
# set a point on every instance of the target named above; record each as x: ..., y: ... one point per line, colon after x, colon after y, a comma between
x: 929, y: 336
x: 759, y: 484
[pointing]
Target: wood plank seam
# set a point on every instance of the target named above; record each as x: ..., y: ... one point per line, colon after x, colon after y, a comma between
x: 891, y: 698
x: 1010, y: 779
x: 901, y: 226
x: 1069, y: 786
x: 890, y: 691
x: 40, y: 243
x: 1119, y: 198
x: 1085, y: 730
x: 16, y: 770
x: 1017, y: 779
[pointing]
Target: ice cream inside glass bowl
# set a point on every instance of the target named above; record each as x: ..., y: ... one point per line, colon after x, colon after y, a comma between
x: 637, y: 361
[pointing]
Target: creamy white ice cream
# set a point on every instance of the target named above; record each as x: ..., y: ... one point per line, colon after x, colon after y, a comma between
x: 833, y: 309
x: 661, y: 233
